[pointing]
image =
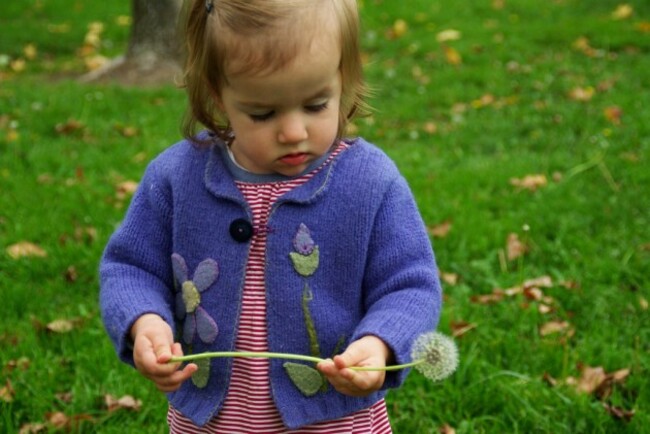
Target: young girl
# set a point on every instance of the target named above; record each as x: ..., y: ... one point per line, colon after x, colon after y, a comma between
x: 268, y: 232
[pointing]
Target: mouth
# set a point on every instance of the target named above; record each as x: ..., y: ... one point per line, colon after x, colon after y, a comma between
x: 295, y: 159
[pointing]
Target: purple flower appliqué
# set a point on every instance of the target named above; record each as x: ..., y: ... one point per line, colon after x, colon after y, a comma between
x: 188, y: 299
x: 302, y: 242
x: 306, y: 256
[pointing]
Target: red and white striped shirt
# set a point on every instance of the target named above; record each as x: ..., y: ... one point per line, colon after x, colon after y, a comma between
x: 248, y: 406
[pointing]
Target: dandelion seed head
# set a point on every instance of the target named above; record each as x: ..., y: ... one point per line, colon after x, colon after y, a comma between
x: 438, y: 353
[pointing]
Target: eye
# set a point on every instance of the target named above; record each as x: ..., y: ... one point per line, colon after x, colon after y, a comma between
x: 261, y: 117
x: 315, y: 108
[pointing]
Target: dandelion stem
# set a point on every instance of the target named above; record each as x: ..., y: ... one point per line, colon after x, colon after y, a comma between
x: 257, y: 354
x: 288, y: 356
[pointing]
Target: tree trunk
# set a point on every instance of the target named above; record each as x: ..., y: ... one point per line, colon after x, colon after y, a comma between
x: 154, y: 51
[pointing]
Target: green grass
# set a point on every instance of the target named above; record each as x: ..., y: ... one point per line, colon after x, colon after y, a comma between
x: 589, y: 225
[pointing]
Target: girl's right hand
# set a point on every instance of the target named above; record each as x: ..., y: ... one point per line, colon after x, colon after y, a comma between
x: 153, y: 346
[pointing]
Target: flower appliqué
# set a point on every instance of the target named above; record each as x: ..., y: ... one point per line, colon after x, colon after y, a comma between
x: 306, y: 259
x: 188, y: 300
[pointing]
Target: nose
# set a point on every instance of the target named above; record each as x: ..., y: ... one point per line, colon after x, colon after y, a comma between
x: 293, y: 129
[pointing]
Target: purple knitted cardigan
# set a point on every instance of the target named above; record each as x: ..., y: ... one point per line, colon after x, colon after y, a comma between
x: 375, y: 273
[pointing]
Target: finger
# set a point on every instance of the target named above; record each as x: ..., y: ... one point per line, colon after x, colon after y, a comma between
x: 327, y: 367
x: 162, y: 348
x: 172, y: 380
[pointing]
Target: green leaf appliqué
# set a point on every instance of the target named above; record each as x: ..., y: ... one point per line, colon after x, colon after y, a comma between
x: 305, y: 265
x: 200, y: 377
x: 307, y: 379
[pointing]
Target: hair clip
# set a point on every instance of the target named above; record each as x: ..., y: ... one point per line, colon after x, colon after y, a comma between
x: 209, y: 5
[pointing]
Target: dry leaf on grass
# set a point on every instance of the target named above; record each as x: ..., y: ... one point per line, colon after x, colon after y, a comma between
x: 69, y: 127
x: 515, y: 248
x: 460, y: 328
x: 452, y: 56
x: 618, y: 412
x: 125, y: 189
x: 553, y: 327
x: 448, y: 35
x: 622, y: 12
x: 25, y: 249
x: 440, y: 230
x: 446, y: 429
x: 529, y: 182
x: 582, y: 94
x: 33, y: 428
x: 126, y: 402
x: 7, y: 392
x: 449, y: 278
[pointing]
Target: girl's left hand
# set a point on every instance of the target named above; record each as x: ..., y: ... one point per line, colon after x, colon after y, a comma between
x: 367, y: 351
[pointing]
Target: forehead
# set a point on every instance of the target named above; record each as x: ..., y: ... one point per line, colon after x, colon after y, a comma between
x: 313, y: 73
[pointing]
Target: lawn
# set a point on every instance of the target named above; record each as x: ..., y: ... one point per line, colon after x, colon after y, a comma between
x: 523, y: 129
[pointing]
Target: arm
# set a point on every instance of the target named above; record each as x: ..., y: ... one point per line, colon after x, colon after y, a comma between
x: 135, y: 270
x: 402, y: 296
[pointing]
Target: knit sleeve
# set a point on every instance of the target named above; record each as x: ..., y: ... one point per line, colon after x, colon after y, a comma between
x: 135, y: 270
x: 402, y: 291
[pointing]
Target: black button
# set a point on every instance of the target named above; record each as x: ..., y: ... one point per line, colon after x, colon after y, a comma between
x: 241, y: 230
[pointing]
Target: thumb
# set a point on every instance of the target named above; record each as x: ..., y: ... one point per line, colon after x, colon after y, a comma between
x: 350, y: 357
x: 162, y: 349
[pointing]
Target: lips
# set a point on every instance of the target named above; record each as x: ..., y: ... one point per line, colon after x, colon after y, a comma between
x: 295, y: 159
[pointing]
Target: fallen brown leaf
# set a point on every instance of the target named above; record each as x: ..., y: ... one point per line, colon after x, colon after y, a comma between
x: 69, y: 127
x: 452, y: 56
x: 618, y: 412
x: 460, y: 328
x: 446, y: 429
x: 7, y: 392
x: 553, y: 327
x: 643, y: 303
x: 126, y: 402
x: 548, y: 379
x: 449, y: 278
x: 495, y: 297
x: 22, y: 364
x: 61, y: 421
x: 125, y: 189
x: 606, y: 387
x: 622, y: 12
x: 33, y: 428
x: 515, y: 248
x: 448, y: 35
x: 613, y: 114
x: 591, y: 378
x: 441, y: 230
x: 582, y: 94
x: 539, y: 282
x: 529, y: 182
x: 58, y: 420
x: 25, y: 249
x: 544, y: 309
x: 71, y: 275
x: 533, y: 294
x: 60, y: 326
x: 397, y: 30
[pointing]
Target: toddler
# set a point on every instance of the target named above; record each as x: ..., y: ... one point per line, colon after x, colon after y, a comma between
x: 270, y: 231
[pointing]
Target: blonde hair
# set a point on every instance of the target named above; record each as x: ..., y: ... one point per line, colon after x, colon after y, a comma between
x: 261, y: 36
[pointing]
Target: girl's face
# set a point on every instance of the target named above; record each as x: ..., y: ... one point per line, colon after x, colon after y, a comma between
x: 286, y: 119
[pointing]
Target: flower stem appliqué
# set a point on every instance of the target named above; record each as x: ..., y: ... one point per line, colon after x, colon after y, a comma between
x: 306, y: 259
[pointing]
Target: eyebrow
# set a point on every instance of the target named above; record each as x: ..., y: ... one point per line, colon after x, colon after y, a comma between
x: 323, y: 93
